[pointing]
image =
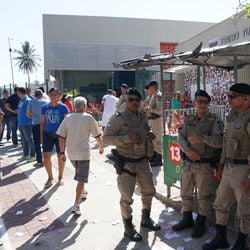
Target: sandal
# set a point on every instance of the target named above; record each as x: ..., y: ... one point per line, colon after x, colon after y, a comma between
x: 48, y: 184
x: 60, y: 183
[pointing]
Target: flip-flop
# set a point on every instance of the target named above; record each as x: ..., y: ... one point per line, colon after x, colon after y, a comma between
x: 48, y: 184
x: 60, y: 183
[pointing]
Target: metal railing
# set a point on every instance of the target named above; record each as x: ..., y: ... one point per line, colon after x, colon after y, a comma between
x: 174, y: 117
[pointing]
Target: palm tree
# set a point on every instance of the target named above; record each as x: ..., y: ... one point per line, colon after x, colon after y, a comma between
x: 27, y: 59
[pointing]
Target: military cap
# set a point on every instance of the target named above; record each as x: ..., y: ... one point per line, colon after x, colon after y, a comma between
x: 124, y: 85
x: 152, y: 83
x: 146, y: 86
x: 202, y: 93
x: 241, y: 88
x: 134, y: 91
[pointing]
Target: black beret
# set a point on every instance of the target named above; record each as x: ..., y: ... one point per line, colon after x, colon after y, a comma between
x: 124, y: 85
x: 241, y: 88
x: 202, y: 93
x: 133, y: 91
x: 153, y: 83
x: 146, y: 86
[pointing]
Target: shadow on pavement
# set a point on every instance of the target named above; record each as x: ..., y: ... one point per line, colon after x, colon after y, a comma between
x: 24, y: 211
x: 141, y: 245
x: 60, y: 234
x: 7, y: 169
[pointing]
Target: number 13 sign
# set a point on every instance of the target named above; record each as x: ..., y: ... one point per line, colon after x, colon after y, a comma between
x: 174, y: 153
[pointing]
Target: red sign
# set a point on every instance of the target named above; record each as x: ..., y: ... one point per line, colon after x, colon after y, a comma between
x: 167, y: 47
x: 174, y: 153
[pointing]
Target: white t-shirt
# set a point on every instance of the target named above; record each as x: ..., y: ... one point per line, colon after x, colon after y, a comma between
x: 109, y: 107
x: 109, y: 103
x: 77, y: 128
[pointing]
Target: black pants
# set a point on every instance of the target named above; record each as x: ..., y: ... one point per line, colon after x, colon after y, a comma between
x: 37, y: 142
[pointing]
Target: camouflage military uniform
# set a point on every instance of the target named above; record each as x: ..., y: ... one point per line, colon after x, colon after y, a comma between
x: 235, y: 154
x: 116, y: 133
x: 200, y: 173
x: 155, y: 120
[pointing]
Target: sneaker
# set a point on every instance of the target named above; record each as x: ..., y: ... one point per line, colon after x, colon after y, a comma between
x: 84, y: 195
x: 38, y: 165
x: 31, y: 159
x: 23, y: 158
x: 76, y: 210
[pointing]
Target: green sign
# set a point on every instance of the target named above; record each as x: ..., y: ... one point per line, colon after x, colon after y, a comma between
x: 172, y: 159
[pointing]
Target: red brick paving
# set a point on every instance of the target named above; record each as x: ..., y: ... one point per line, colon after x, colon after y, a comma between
x: 17, y: 193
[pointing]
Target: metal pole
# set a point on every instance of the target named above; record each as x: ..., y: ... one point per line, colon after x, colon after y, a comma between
x: 204, y: 77
x: 73, y: 86
x: 235, y: 70
x: 11, y: 65
x: 163, y: 101
x: 171, y: 90
x: 198, y: 77
x: 47, y: 85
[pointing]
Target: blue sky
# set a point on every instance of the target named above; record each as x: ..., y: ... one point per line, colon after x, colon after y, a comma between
x: 22, y: 20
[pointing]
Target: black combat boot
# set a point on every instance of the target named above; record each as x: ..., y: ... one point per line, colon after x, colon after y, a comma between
x: 241, y: 242
x: 146, y: 221
x: 220, y: 240
x: 199, y: 227
x: 186, y: 222
x: 130, y: 231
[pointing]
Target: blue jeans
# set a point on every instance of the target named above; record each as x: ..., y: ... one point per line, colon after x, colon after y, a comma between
x: 37, y: 142
x: 6, y: 121
x: 26, y: 139
x: 13, y: 125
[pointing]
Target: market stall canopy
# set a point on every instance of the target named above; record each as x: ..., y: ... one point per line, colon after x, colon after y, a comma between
x: 226, y: 56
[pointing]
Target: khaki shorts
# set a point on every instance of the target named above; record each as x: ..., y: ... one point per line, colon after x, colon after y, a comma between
x: 81, y: 170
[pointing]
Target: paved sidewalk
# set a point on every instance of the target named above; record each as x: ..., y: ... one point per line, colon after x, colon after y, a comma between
x: 41, y: 219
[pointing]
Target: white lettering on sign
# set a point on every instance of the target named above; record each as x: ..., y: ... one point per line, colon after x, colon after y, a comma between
x: 175, y: 153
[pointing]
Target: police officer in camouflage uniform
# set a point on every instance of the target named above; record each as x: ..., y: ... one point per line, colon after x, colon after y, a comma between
x: 154, y: 112
x: 199, y: 137
x: 235, y: 181
x: 129, y: 132
x: 120, y: 106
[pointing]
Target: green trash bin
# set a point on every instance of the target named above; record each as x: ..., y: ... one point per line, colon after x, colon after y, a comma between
x: 172, y: 159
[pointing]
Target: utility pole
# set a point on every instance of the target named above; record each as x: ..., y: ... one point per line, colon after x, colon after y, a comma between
x: 11, y: 65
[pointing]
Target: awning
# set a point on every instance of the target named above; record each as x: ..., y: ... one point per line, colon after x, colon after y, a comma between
x: 226, y: 56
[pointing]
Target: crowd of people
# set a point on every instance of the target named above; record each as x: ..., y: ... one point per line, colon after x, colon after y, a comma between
x: 134, y: 127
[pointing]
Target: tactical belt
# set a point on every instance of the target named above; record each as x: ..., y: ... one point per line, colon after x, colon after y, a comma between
x: 125, y: 159
x: 238, y: 161
x: 153, y: 116
x: 202, y: 160
x: 133, y: 160
x: 128, y: 172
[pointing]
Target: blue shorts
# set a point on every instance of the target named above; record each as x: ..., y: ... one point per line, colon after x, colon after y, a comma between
x: 49, y: 141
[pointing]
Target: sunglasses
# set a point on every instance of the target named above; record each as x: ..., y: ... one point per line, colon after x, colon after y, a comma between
x: 202, y: 102
x: 232, y: 96
x: 130, y: 99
